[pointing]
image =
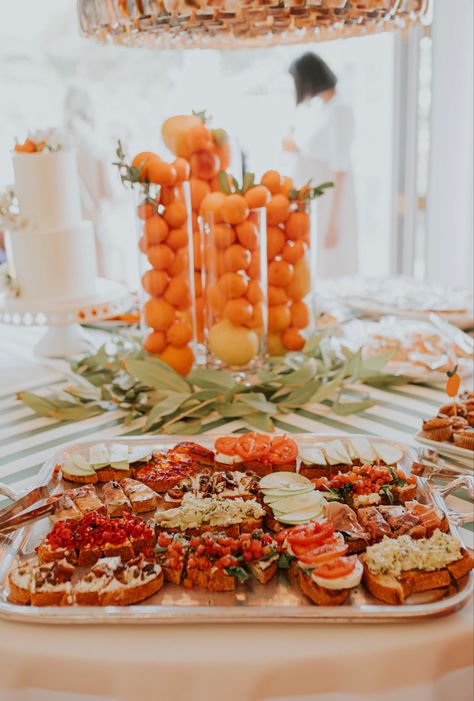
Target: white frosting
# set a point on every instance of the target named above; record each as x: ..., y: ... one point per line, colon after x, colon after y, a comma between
x: 57, y: 264
x: 348, y: 582
x: 47, y: 186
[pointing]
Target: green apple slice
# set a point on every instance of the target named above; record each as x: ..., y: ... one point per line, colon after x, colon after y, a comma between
x: 118, y: 452
x: 390, y: 454
x: 120, y: 465
x: 81, y: 463
x: 303, y: 516
x: 312, y: 456
x: 281, y: 493
x: 290, y: 481
x: 82, y: 469
x: 299, y: 502
x: 139, y: 453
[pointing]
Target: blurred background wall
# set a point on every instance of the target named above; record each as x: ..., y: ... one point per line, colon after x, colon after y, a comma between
x: 401, y: 111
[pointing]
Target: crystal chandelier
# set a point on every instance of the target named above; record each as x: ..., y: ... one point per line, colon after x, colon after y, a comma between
x: 227, y: 24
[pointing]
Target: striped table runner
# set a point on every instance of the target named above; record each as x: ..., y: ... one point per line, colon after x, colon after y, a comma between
x: 27, y: 440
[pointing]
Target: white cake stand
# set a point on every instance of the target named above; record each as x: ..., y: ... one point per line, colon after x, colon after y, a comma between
x: 65, y: 336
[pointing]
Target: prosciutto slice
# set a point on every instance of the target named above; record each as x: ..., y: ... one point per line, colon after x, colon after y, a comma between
x: 344, y: 520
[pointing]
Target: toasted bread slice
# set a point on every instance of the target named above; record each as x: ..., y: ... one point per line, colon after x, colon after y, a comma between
x: 141, y: 497
x: 314, y: 471
x: 319, y: 595
x: 386, y: 587
x: 213, y: 579
x: 108, y: 474
x: 135, y: 583
x: 123, y: 550
x: 48, y: 554
x: 86, y: 590
x: 248, y: 525
x: 355, y: 546
x: 116, y: 501
x: 263, y: 574
x: 20, y: 580
x: 89, y: 554
x: 51, y: 584
x: 86, y: 478
x: 285, y: 467
x: 272, y: 524
x: 461, y: 567
x: 406, y: 493
x: 65, y: 508
x: 86, y: 499
x: 419, y: 581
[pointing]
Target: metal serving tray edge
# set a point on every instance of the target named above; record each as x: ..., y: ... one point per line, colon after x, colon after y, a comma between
x: 194, y: 606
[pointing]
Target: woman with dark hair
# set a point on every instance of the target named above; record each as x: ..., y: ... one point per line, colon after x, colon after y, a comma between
x: 320, y: 146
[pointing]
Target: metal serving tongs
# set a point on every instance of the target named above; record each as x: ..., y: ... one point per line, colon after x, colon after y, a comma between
x: 19, y: 513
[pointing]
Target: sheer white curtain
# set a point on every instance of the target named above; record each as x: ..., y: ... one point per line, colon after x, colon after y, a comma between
x: 450, y: 210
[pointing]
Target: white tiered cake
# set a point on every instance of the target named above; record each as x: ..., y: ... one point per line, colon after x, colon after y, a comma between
x: 54, y: 255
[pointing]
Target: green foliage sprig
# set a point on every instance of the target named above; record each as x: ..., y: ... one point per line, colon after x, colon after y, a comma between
x: 124, y: 377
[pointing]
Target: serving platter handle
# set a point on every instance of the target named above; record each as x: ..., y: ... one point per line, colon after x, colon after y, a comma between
x: 463, y: 481
x: 8, y: 492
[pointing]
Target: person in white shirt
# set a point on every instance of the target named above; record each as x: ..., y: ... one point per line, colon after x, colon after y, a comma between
x: 319, y: 146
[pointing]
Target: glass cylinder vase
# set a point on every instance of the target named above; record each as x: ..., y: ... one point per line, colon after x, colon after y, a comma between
x: 167, y: 292
x: 291, y: 257
x: 234, y: 279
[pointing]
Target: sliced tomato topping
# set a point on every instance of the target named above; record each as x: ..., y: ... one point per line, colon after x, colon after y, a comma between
x: 226, y: 445
x: 325, y: 553
x: 252, y: 446
x: 283, y: 450
x: 336, y: 568
x: 311, y: 540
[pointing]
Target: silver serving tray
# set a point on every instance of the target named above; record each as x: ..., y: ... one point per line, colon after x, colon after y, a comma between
x: 275, y: 602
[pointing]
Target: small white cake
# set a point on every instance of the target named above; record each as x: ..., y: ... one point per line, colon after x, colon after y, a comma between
x: 54, y: 255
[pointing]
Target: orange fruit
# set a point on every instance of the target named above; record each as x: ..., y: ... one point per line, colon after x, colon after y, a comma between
x: 256, y: 322
x: 223, y: 236
x: 199, y: 307
x: 292, y: 339
x: 197, y: 250
x: 224, y: 155
x: 247, y: 234
x: 275, y: 346
x: 175, y: 214
x: 211, y: 207
x: 180, y: 263
x: 287, y: 185
x: 199, y: 138
x: 161, y: 173
x: 204, y: 164
x: 277, y: 295
x: 145, y: 210
x: 155, y: 229
x: 272, y: 180
x: 297, y: 226
x: 239, y: 311
x: 214, y: 298
x: 142, y: 161
x: 275, y: 241
x: 177, y: 238
x: 154, y: 282
x: 253, y: 271
x: 161, y: 256
x: 179, y: 334
x: 169, y: 194
x: 293, y: 251
x: 174, y: 132
x: 233, y: 285
x: 237, y: 258
x: 278, y: 210
x: 279, y: 317
x: 300, y: 285
x: 199, y: 189
x: 299, y: 315
x: 197, y: 284
x: 177, y: 293
x: 280, y: 273
x: 257, y: 196
x: 183, y: 169
x: 155, y: 342
x: 180, y: 359
x: 214, y: 259
x: 254, y: 292
x: 143, y: 244
x: 158, y: 314
x: 234, y: 209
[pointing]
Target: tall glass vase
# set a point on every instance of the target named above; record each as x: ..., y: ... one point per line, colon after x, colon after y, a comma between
x: 167, y: 295
x: 234, y: 279
x: 291, y: 257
